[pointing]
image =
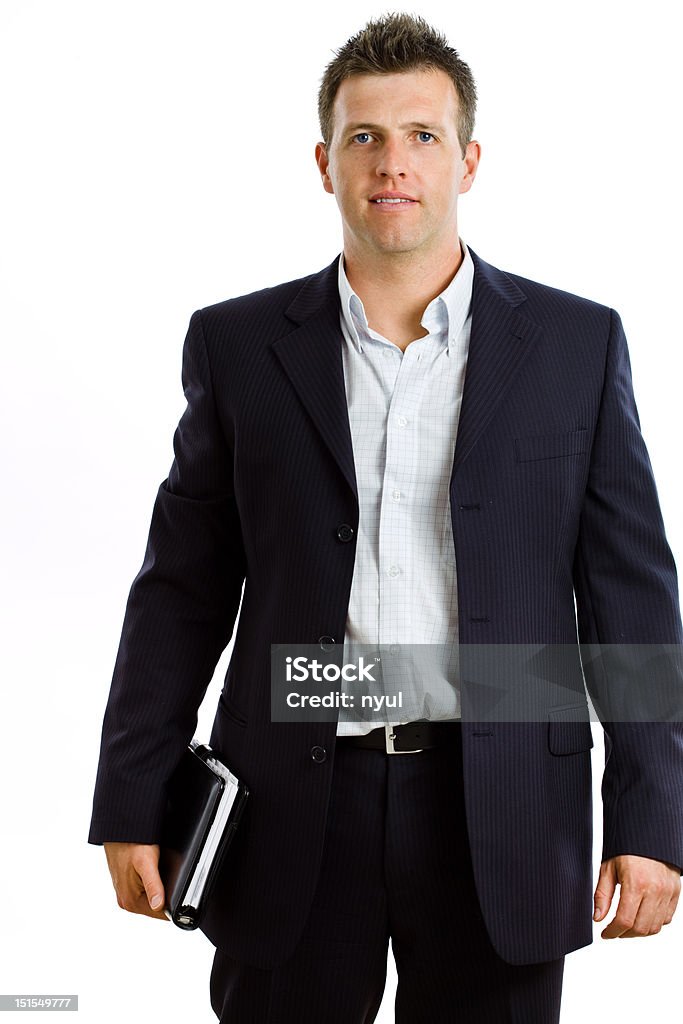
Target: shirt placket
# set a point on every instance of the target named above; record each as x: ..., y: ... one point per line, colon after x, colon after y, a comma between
x: 396, y: 556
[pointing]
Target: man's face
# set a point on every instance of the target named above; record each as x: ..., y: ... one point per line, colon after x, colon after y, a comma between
x: 397, y: 133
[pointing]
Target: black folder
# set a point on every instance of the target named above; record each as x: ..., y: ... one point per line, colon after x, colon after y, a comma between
x: 205, y: 802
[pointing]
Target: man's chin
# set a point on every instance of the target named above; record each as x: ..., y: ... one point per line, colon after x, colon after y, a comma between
x: 397, y: 246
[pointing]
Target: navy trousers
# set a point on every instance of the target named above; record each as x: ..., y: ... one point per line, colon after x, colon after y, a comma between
x: 396, y: 865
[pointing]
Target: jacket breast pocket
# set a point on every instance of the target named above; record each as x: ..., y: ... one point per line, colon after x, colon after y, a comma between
x: 550, y: 446
x: 569, y: 729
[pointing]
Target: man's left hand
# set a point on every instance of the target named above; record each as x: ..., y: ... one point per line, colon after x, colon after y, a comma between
x: 648, y: 897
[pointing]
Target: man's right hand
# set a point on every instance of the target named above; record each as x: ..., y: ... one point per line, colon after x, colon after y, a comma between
x: 134, y: 869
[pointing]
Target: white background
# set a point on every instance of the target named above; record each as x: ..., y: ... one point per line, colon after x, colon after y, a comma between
x: 159, y: 157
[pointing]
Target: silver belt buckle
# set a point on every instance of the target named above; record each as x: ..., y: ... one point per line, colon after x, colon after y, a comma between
x: 389, y: 737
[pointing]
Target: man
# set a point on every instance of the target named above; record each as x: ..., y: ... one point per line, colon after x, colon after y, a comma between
x: 408, y: 447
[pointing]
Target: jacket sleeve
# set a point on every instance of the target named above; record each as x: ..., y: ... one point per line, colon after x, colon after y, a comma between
x: 629, y: 625
x: 179, y: 617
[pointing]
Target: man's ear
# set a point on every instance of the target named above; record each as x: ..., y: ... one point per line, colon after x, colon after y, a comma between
x: 471, y: 163
x: 322, y: 160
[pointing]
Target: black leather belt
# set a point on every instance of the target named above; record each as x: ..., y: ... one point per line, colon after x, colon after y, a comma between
x: 410, y: 738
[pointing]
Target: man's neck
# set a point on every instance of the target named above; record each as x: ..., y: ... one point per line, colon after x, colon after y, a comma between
x: 395, y: 293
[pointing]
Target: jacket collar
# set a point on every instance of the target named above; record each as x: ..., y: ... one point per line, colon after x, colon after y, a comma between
x: 311, y: 355
x: 322, y: 288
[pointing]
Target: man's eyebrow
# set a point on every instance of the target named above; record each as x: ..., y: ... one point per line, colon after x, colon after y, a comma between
x: 366, y: 126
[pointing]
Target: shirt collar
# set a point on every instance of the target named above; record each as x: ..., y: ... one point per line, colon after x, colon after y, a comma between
x: 450, y: 308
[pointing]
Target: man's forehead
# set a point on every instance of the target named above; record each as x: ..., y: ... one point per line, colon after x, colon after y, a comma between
x: 415, y: 98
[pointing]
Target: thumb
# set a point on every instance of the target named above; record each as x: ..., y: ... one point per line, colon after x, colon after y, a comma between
x: 151, y: 879
x: 604, y: 891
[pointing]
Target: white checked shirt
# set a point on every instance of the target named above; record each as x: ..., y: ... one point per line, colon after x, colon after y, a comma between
x: 403, y: 412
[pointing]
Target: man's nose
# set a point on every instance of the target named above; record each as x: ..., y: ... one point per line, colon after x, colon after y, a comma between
x: 393, y: 160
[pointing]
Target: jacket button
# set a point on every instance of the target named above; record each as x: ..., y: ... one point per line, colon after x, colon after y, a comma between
x: 326, y: 642
x: 319, y: 754
x: 345, y: 533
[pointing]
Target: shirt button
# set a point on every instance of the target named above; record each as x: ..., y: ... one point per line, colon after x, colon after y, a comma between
x: 402, y: 421
x: 319, y: 754
x: 396, y: 495
x: 394, y: 571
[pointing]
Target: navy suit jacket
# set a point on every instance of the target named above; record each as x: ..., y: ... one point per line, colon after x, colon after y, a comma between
x: 552, y: 501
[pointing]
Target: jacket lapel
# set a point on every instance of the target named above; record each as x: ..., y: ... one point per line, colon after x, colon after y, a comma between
x: 311, y: 357
x: 501, y: 339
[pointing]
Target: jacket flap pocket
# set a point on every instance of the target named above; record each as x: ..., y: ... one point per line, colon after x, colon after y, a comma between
x: 569, y: 729
x: 550, y: 446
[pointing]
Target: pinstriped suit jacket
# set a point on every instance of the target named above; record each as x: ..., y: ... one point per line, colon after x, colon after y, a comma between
x: 550, y: 455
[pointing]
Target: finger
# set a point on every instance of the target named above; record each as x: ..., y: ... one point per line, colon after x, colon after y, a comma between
x: 650, y: 916
x: 133, y: 898
x: 150, y: 879
x: 604, y: 891
x: 140, y: 905
x: 626, y: 912
x: 126, y: 861
x: 656, y: 909
x: 132, y: 894
x: 671, y: 909
x: 153, y: 887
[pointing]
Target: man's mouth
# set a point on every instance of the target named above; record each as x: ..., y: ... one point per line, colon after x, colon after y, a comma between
x: 391, y: 198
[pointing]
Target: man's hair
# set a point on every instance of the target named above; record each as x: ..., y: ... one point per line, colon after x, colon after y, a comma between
x: 391, y: 44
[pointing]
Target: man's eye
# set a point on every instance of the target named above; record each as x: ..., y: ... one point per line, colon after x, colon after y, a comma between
x: 427, y: 133
x: 366, y: 134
